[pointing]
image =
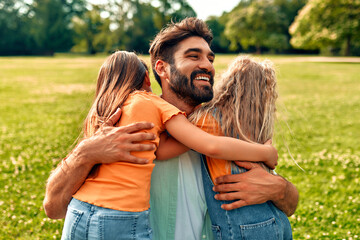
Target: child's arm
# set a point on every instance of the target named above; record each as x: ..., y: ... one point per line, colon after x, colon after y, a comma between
x: 219, y: 147
x: 169, y: 147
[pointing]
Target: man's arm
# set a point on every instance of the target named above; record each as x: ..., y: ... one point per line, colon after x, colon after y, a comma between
x: 110, y: 145
x: 256, y: 186
x: 64, y: 182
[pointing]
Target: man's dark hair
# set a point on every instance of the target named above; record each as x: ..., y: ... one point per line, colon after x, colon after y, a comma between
x: 166, y: 41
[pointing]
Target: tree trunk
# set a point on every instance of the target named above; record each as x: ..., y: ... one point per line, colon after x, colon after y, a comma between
x: 348, y: 46
x: 91, y: 49
x: 258, y: 49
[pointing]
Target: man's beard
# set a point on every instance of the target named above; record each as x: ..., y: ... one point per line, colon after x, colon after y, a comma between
x: 185, y: 89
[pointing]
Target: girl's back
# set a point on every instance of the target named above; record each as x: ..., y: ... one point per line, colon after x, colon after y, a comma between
x: 243, y: 107
x: 126, y: 186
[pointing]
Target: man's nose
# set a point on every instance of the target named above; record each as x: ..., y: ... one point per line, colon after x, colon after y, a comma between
x: 206, y: 65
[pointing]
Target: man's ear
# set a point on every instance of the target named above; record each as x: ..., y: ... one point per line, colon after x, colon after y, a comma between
x: 162, y: 69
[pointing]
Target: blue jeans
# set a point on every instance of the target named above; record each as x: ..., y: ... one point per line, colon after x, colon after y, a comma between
x: 87, y: 221
x: 256, y: 222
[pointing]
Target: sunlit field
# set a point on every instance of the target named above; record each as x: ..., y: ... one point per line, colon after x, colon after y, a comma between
x: 43, y: 102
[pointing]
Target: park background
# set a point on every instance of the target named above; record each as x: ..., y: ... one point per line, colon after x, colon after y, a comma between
x: 51, y: 51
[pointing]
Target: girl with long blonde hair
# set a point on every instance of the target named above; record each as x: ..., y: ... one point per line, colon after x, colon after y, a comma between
x: 243, y: 107
x: 114, y: 202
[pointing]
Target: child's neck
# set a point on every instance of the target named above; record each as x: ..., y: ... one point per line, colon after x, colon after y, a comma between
x: 146, y: 89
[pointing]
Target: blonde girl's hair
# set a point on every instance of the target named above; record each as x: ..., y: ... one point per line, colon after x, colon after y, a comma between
x: 122, y: 73
x: 244, y: 101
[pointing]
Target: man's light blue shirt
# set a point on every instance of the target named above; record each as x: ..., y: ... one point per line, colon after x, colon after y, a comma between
x: 178, y: 207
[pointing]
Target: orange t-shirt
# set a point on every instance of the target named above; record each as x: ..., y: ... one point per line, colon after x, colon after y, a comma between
x: 126, y: 186
x: 217, y: 167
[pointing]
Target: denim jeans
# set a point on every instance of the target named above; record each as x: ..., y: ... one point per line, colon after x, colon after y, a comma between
x: 256, y: 222
x: 87, y: 221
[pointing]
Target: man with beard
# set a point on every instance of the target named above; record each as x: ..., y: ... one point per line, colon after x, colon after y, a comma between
x: 182, y: 63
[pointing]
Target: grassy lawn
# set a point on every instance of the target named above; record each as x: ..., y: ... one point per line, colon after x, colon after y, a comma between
x: 45, y: 100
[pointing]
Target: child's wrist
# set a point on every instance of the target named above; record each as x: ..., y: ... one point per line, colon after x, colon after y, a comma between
x: 269, y: 152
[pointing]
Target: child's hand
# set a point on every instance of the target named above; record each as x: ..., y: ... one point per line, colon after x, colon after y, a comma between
x: 272, y: 158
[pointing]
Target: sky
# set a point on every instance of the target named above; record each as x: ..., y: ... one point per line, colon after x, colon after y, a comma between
x: 205, y: 8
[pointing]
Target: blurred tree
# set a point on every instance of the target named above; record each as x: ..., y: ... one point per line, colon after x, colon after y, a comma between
x: 141, y: 29
x: 259, y: 24
x: 175, y: 10
x: 327, y: 23
x: 51, y: 24
x: 92, y: 32
x: 133, y: 24
x: 47, y: 26
x: 14, y: 24
x: 37, y: 26
x: 290, y: 8
x: 220, y: 43
x: 136, y: 22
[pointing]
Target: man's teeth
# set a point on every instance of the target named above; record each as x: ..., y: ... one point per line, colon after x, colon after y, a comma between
x: 202, y: 78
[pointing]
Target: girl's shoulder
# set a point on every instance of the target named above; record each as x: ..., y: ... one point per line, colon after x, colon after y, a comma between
x: 142, y: 94
x: 148, y: 103
x: 150, y: 100
x: 209, y: 124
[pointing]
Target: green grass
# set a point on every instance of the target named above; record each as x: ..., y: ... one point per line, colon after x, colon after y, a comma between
x: 45, y: 100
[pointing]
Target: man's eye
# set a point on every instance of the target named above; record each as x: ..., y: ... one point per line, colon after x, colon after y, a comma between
x: 211, y: 60
x: 193, y: 56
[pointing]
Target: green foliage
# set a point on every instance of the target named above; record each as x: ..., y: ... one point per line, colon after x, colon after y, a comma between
x: 261, y: 23
x: 137, y: 22
x: 140, y: 29
x: 46, y: 26
x: 92, y: 32
x: 290, y: 8
x: 172, y: 10
x: 327, y: 23
x: 50, y: 24
x: 220, y: 43
x: 45, y: 101
x: 52, y: 31
x: 125, y: 24
x: 41, y: 27
x: 13, y: 27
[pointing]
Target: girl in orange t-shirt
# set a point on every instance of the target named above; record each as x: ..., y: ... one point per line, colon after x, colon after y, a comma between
x: 114, y: 202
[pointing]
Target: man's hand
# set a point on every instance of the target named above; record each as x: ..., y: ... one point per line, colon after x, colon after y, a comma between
x: 256, y: 186
x: 111, y: 144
